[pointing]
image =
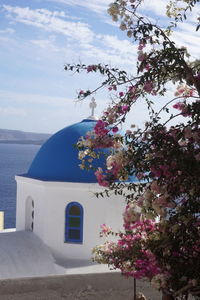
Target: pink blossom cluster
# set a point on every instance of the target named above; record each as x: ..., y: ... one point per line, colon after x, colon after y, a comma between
x: 161, y: 170
x: 131, y: 244
x: 183, y: 107
x: 112, y: 88
x: 105, y: 230
x: 148, y: 87
x: 141, y: 226
x: 141, y: 45
x: 101, y: 178
x: 81, y: 92
x: 141, y: 56
x: 185, y: 91
x: 113, y: 114
x: 146, y: 266
x: 161, y: 229
x: 197, y: 77
x: 131, y: 214
x: 94, y: 141
x: 115, y: 165
x: 91, y: 68
x: 100, y: 128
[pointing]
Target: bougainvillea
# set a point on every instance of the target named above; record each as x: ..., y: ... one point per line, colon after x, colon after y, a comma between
x: 161, y: 236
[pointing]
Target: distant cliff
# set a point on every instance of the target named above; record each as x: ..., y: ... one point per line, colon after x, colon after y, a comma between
x: 21, y: 137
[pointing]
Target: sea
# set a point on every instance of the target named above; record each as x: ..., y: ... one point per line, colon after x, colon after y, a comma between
x: 15, y: 159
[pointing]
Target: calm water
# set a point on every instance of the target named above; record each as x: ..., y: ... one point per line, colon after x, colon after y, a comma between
x: 15, y: 159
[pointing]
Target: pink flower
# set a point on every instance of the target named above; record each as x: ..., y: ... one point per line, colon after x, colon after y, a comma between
x: 105, y: 230
x: 100, y: 128
x: 197, y: 76
x: 155, y: 172
x: 140, y: 201
x: 121, y: 94
x: 140, y: 176
x: 141, y: 56
x: 148, y: 87
x: 91, y: 68
x: 81, y: 92
x: 101, y: 178
x: 179, y: 105
x: 155, y: 187
x: 125, y: 108
x: 147, y: 266
x: 147, y: 67
x: 132, y: 89
x: 165, y: 170
x: 141, y: 46
x: 183, y: 108
x: 115, y: 129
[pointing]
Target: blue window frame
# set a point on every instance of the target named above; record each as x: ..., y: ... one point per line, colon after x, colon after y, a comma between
x: 74, y: 223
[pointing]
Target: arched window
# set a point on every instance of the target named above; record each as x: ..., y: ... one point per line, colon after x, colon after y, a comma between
x: 74, y: 223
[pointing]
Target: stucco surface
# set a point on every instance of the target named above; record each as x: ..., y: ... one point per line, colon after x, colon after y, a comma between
x: 23, y: 254
x: 50, y: 201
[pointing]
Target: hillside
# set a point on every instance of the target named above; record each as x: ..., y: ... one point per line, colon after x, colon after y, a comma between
x: 21, y: 137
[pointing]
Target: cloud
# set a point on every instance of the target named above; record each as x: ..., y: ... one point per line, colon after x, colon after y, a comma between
x: 52, y: 113
x: 50, y: 21
x: 154, y: 7
x: 7, y: 30
x: 112, y: 50
x: 46, y: 44
x: 188, y: 37
x: 34, y: 98
x: 101, y: 6
x: 12, y: 111
x: 97, y: 6
x: 106, y: 48
x: 123, y: 47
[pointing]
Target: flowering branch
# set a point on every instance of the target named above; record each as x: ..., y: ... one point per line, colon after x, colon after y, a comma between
x: 160, y: 239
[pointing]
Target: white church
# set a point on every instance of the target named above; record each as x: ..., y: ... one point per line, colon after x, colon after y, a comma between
x: 58, y: 217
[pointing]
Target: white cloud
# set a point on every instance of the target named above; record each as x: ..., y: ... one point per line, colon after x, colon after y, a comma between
x: 50, y: 21
x: 7, y: 30
x: 45, y: 44
x: 99, y: 48
x: 51, y: 113
x: 154, y: 7
x: 188, y: 37
x: 113, y: 51
x: 12, y: 111
x: 123, y: 47
x: 98, y: 6
x: 34, y: 98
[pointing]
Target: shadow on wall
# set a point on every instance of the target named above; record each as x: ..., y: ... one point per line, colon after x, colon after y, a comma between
x: 29, y: 214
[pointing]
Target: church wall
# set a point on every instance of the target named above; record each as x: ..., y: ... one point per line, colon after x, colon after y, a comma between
x: 50, y: 201
x: 96, y: 212
x: 30, y: 189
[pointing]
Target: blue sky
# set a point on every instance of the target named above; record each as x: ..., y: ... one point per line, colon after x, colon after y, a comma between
x: 38, y: 37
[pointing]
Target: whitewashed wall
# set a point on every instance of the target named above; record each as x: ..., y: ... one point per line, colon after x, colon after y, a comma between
x: 50, y: 200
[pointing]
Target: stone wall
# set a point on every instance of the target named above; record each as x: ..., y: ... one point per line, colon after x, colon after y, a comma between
x: 106, y: 286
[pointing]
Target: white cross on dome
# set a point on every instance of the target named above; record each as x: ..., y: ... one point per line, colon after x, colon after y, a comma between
x: 92, y: 105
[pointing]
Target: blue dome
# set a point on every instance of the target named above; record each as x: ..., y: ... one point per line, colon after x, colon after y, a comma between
x: 57, y: 159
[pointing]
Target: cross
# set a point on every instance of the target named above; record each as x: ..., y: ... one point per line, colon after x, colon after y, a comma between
x: 93, y: 105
